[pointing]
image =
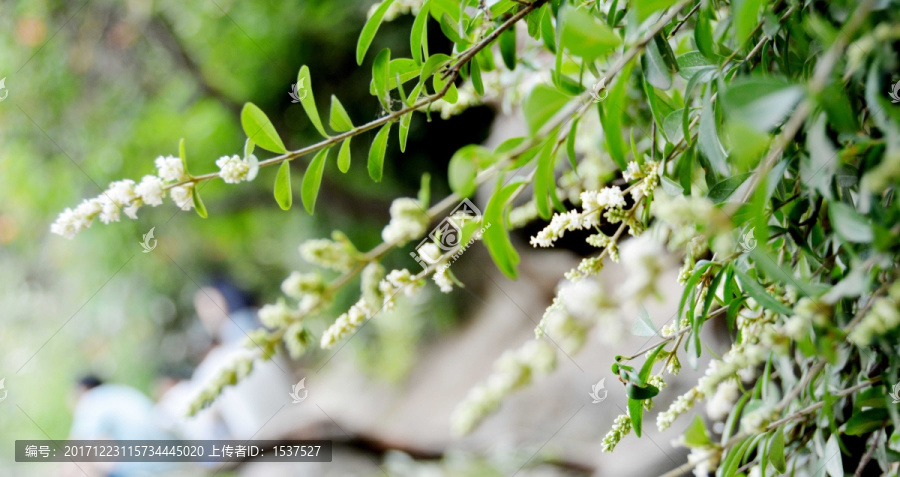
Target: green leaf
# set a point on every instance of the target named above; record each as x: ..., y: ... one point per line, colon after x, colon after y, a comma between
x: 644, y: 8
x: 283, y: 194
x: 424, y: 195
x: 584, y: 35
x: 380, y: 70
x: 369, y: 30
x: 339, y: 120
x: 695, y: 435
x: 418, y: 33
x: 507, y: 43
x: 570, y: 146
x: 183, y: 156
x: 547, y: 31
x: 344, y: 156
x: 745, y: 14
x: 758, y: 293
x: 671, y: 187
x: 377, y: 151
x: 260, y: 130
x: 762, y: 102
x: 307, y: 100
x: 198, y: 202
x: 655, y: 71
x: 464, y: 167
x: 849, y: 224
x: 708, y: 137
x: 834, y: 463
x: 496, y: 235
x: 636, y: 413
x: 703, y: 35
x: 404, y: 130
x: 691, y: 63
x: 818, y: 169
x: 724, y: 189
x: 541, y: 105
x: 611, y: 112
x: 776, y: 451
x: 475, y: 74
x: 640, y: 392
x: 312, y: 179
x: 864, y: 422
x: 450, y: 28
x: 544, y: 178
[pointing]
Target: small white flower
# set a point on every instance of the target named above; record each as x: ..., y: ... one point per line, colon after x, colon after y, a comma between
x: 442, y: 279
x: 233, y: 169
x: 409, y: 220
x: 150, y: 190
x: 66, y: 224
x: 170, y: 168
x: 297, y: 285
x: 721, y: 403
x: 183, y: 196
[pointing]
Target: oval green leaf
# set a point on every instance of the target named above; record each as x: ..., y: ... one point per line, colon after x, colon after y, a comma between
x: 312, y: 179
x: 376, y: 153
x: 283, y: 194
x: 260, y: 130
x: 307, y: 100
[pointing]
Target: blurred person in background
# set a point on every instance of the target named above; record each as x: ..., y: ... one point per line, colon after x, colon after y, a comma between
x: 242, y: 410
x: 116, y: 412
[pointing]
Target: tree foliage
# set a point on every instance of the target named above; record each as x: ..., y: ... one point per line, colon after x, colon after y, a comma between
x: 757, y: 142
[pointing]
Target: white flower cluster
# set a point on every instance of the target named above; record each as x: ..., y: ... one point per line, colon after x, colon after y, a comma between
x: 346, y: 324
x: 233, y: 169
x: 297, y: 339
x: 648, y: 173
x: 239, y: 367
x: 397, y: 281
x: 374, y: 299
x: 644, y: 257
x: 679, y: 406
x: 300, y: 285
x: 722, y: 401
x: 621, y: 427
x: 513, y: 370
x: 336, y: 254
x: 593, y: 203
x: 126, y: 196
x: 121, y: 196
x: 278, y: 315
x: 705, y: 460
x: 409, y: 220
x: 756, y: 421
x: 739, y: 357
x: 442, y: 278
x: 882, y: 318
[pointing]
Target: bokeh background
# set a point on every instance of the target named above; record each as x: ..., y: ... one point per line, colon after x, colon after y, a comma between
x: 97, y: 89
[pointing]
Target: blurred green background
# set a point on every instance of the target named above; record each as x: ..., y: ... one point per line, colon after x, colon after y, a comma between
x: 97, y: 90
